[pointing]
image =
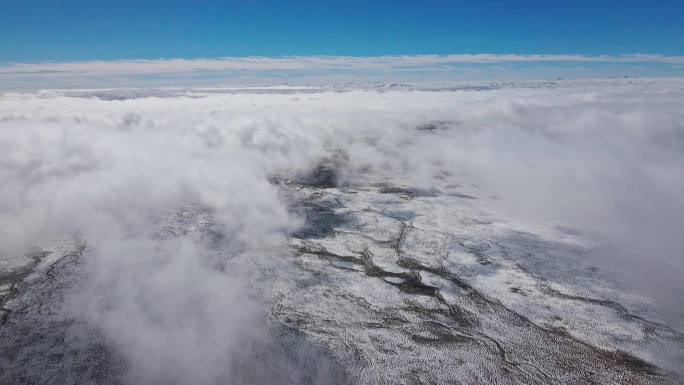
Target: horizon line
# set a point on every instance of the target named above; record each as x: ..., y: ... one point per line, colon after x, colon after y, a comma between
x: 294, y: 62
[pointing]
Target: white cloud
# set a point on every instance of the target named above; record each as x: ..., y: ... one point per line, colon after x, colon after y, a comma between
x: 292, y: 68
x: 308, y: 63
x: 607, y: 159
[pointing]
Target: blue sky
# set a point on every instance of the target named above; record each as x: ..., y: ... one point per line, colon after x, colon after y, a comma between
x: 63, y: 30
x: 96, y: 43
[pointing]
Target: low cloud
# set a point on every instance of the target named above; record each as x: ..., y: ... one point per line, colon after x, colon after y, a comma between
x: 321, y: 69
x: 146, y: 66
x: 607, y: 159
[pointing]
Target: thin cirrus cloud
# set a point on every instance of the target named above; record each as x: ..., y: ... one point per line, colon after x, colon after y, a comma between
x: 321, y: 68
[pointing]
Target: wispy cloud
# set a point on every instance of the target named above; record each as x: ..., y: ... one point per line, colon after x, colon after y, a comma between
x: 147, y: 66
x: 122, y: 72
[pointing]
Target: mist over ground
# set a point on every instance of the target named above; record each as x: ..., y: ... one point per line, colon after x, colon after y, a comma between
x: 173, y: 195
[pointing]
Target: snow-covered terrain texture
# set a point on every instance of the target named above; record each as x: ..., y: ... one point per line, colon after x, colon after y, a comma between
x: 512, y: 233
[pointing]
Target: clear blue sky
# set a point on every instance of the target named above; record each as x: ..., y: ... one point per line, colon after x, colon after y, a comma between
x: 37, y: 30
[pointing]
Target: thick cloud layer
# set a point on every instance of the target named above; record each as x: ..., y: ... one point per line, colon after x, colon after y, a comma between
x: 605, y: 158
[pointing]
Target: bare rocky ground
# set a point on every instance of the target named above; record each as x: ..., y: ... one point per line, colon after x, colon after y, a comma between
x: 382, y: 284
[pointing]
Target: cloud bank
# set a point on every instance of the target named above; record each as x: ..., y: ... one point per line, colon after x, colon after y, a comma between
x: 605, y: 159
x: 320, y: 69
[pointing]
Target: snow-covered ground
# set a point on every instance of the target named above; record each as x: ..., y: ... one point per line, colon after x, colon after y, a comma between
x: 521, y: 232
